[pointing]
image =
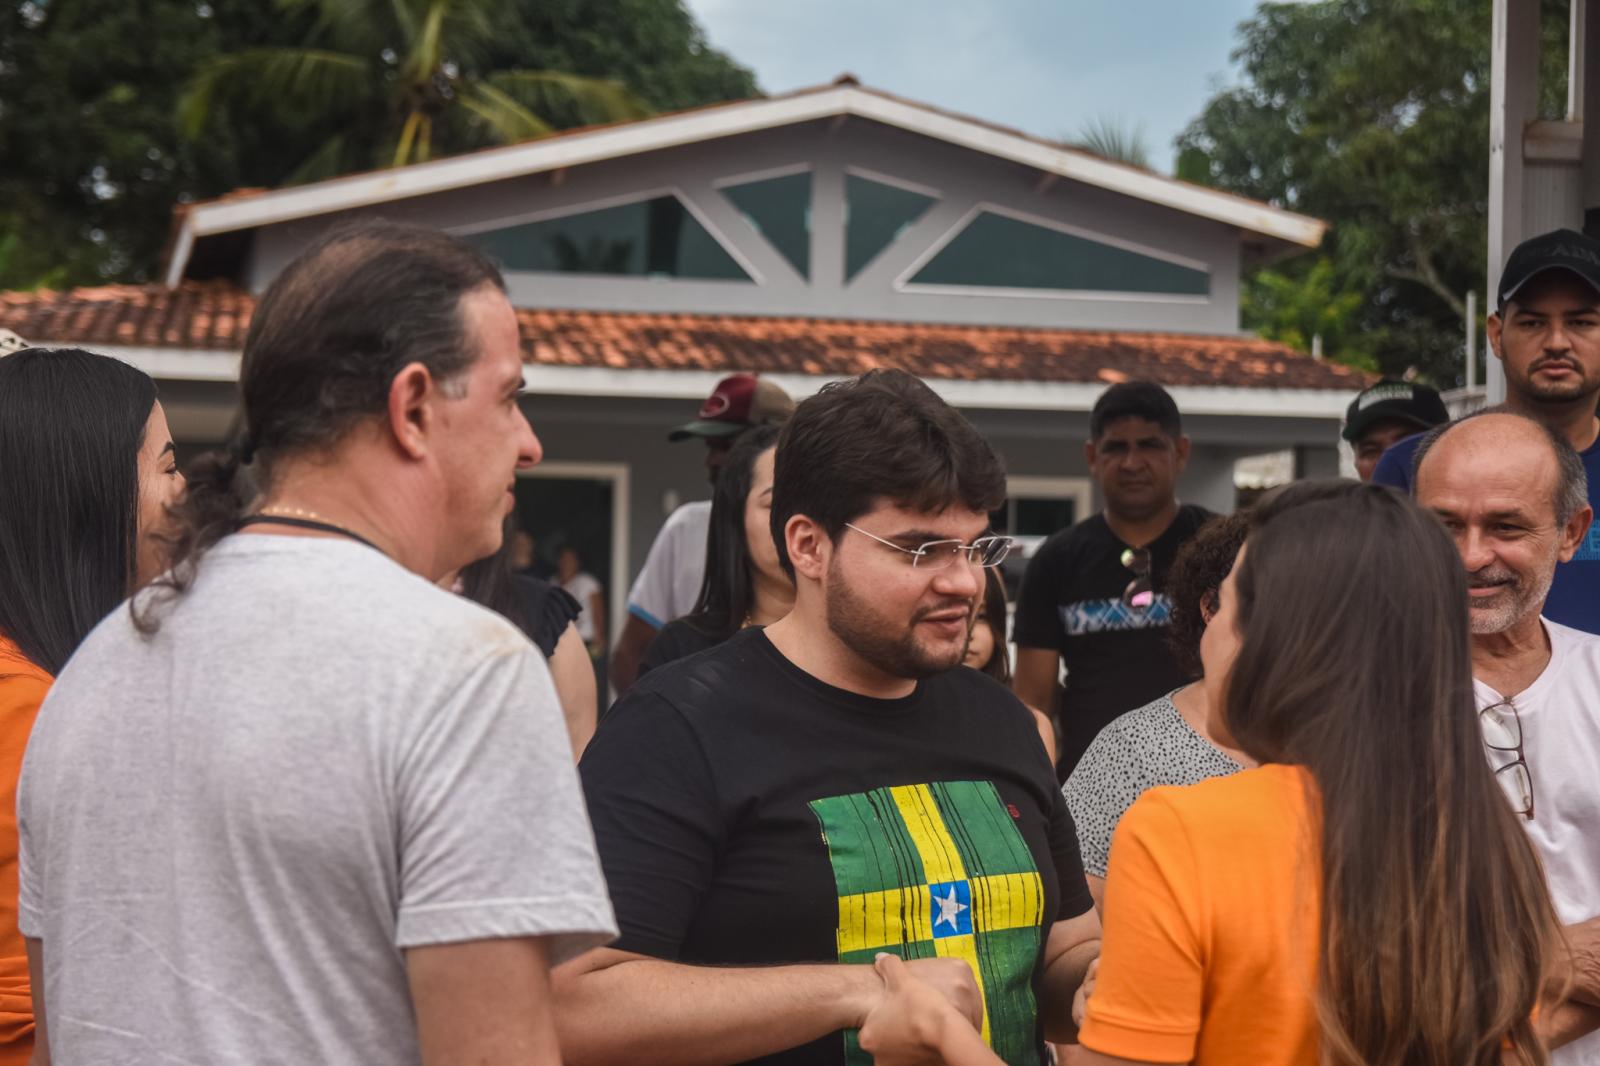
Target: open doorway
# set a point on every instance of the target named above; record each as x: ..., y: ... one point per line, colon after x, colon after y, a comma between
x: 582, y: 507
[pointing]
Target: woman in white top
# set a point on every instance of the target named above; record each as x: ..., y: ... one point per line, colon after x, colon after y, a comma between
x: 586, y: 589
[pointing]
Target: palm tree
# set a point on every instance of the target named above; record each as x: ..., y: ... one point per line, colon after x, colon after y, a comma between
x: 1111, y: 139
x: 399, y: 82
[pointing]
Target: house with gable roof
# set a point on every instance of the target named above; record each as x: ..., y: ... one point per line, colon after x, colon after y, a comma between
x: 807, y: 237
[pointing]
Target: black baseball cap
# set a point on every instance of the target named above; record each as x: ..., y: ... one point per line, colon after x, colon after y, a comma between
x: 1394, y: 401
x: 1561, y: 249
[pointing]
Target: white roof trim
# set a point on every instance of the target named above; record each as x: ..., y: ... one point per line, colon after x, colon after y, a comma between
x: 223, y: 366
x: 667, y: 131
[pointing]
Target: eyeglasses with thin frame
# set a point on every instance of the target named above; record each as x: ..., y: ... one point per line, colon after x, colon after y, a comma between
x: 1502, y: 733
x: 938, y: 554
x: 1141, y: 591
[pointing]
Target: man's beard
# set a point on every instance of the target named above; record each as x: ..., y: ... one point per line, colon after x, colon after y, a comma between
x: 890, y: 648
x: 1583, y: 387
x: 1517, y: 598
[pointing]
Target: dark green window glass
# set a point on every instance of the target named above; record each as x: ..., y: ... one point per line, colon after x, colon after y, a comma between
x: 656, y: 237
x: 875, y: 215
x: 781, y: 209
x: 994, y: 251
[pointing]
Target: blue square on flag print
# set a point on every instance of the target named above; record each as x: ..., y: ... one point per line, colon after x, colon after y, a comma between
x: 952, y: 908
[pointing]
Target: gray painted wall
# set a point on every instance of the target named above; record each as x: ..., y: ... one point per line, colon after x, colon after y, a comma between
x: 634, y: 431
x: 963, y: 179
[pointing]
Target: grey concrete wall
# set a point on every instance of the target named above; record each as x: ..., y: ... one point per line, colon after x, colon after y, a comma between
x: 1033, y: 444
x: 633, y: 431
x: 962, y: 179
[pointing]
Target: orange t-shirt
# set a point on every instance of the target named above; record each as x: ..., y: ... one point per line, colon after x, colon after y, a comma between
x: 1212, y: 925
x: 22, y: 689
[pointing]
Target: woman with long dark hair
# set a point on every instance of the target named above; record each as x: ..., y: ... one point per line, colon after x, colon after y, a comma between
x: 744, y: 585
x: 86, y: 473
x: 1363, y: 897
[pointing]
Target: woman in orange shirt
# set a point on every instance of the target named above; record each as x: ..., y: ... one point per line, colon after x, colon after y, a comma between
x: 86, y: 472
x: 1365, y: 896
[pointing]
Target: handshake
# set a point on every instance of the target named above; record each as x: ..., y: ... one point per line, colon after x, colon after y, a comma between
x: 930, y: 1012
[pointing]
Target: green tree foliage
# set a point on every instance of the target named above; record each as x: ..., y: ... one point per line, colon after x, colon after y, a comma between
x: 94, y: 157
x: 1113, y: 140
x: 401, y: 81
x: 1372, y: 115
x: 92, y: 160
x: 1293, y: 308
x: 655, y: 46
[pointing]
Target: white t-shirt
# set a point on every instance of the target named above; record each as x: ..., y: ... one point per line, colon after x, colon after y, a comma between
x: 1560, y: 715
x: 583, y: 587
x: 670, y: 582
x: 230, y: 831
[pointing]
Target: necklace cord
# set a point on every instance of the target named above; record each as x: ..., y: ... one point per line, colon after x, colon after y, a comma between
x: 305, y: 523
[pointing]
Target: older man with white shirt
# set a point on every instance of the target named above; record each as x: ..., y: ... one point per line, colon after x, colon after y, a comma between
x: 1513, y: 494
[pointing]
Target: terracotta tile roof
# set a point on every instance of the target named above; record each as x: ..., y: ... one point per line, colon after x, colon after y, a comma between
x: 216, y: 315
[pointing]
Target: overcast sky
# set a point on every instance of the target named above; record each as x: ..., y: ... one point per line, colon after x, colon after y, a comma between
x: 1044, y: 66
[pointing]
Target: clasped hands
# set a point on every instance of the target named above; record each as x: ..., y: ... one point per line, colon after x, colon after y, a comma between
x: 929, y: 1013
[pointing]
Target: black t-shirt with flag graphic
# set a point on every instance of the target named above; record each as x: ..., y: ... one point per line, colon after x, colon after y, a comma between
x: 1116, y: 655
x: 749, y: 814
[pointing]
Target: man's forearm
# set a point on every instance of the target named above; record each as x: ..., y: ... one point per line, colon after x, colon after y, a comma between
x: 1060, y: 984
x: 668, y: 1014
x: 629, y: 651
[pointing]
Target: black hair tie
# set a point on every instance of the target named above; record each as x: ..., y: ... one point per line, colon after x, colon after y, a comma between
x: 242, y: 450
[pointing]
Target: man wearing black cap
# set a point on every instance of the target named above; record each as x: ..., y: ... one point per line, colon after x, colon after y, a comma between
x: 1387, y: 413
x: 1546, y: 334
x: 669, y: 583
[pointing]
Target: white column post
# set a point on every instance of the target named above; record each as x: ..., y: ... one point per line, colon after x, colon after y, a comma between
x: 1513, y: 103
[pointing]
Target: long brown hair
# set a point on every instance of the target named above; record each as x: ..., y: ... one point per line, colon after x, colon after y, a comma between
x: 1438, y: 933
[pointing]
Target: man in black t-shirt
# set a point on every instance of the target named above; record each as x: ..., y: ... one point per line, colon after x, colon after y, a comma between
x: 776, y: 811
x: 1092, y: 596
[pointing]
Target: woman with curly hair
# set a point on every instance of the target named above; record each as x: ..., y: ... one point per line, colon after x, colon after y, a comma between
x: 1166, y: 742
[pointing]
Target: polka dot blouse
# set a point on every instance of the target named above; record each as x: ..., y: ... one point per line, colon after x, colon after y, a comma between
x: 1141, y: 749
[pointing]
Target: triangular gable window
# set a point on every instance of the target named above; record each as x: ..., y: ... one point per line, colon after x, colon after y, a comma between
x: 996, y: 251
x: 780, y: 209
x: 876, y: 214
x: 658, y: 237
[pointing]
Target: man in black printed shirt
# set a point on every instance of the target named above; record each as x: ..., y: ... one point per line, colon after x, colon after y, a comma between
x: 1093, y: 594
x: 774, y: 812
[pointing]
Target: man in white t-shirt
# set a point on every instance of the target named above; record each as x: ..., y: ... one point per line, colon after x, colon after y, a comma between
x: 669, y: 583
x: 1513, y: 494
x: 299, y: 805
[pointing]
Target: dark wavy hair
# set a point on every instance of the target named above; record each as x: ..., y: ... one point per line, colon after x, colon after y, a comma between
x: 882, y: 436
x: 1197, y: 572
x: 1437, y: 931
x: 71, y: 426
x: 327, y: 339
x: 728, y: 589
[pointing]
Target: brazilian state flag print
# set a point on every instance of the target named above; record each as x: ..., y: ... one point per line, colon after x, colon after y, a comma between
x: 941, y: 870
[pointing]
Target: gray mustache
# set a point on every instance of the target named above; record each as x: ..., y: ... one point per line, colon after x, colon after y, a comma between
x: 1491, y: 576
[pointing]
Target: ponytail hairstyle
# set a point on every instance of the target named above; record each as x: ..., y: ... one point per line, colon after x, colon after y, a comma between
x: 1354, y: 662
x: 328, y: 338
x: 71, y: 426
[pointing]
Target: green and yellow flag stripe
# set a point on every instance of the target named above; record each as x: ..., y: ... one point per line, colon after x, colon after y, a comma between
x: 941, y: 870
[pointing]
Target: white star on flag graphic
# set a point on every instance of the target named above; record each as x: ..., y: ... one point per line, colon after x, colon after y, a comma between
x: 949, y: 909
